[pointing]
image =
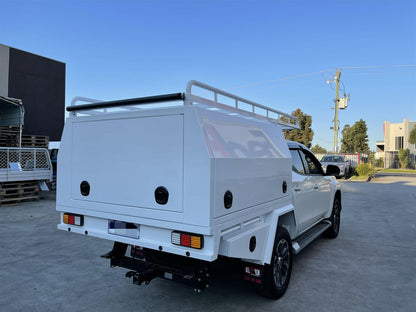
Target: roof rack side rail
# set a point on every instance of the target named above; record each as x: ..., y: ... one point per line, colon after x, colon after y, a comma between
x: 284, y: 119
x: 119, y: 103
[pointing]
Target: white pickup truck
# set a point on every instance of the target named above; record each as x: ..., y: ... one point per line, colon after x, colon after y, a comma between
x: 179, y: 180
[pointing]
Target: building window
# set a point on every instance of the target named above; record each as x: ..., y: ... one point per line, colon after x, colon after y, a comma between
x: 399, y: 143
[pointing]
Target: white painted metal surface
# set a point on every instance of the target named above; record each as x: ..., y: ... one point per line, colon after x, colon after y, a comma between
x: 313, y: 192
x: 125, y: 163
x: 54, y: 145
x: 197, y: 151
x: 303, y: 198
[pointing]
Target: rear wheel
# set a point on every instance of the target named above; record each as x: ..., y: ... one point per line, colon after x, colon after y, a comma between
x: 277, y: 274
x: 335, y: 219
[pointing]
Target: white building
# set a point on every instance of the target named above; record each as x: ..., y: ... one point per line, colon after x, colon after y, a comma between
x: 396, y: 137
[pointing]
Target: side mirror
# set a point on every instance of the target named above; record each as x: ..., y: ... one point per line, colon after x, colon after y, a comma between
x: 332, y: 170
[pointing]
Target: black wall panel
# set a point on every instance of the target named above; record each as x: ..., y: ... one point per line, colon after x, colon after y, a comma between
x: 40, y: 83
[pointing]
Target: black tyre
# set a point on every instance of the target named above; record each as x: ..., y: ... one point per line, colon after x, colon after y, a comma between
x: 335, y: 219
x: 277, y: 274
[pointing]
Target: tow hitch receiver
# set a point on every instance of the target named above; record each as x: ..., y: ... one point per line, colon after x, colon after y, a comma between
x: 139, y: 278
x: 145, y: 265
x: 198, y: 281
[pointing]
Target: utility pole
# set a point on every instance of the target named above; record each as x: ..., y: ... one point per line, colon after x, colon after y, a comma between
x: 337, y: 78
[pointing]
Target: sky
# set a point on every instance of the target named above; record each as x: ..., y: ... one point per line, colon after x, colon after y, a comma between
x: 277, y: 53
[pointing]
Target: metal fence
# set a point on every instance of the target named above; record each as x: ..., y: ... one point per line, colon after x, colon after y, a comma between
x: 18, y: 164
x: 354, y: 159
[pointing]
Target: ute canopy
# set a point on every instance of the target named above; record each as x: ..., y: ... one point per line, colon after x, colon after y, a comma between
x: 12, y: 115
x: 11, y: 112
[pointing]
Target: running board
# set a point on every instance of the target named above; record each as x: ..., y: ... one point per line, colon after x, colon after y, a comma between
x: 306, y: 238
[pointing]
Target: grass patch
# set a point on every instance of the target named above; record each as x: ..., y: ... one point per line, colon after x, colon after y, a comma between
x: 359, y: 178
x: 397, y: 170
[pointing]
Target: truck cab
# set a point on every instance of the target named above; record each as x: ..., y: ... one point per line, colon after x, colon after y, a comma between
x: 313, y: 190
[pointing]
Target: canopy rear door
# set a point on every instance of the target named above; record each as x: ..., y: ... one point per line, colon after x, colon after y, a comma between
x: 126, y: 160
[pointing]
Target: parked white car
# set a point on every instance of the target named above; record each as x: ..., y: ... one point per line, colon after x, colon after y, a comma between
x: 175, y: 187
x: 336, y: 160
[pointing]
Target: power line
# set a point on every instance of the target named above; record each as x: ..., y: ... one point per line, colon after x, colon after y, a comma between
x: 364, y: 74
x: 281, y: 79
x: 295, y: 82
x: 377, y: 66
x: 314, y: 73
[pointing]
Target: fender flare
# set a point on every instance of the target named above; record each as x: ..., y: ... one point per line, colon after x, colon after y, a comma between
x: 273, y: 220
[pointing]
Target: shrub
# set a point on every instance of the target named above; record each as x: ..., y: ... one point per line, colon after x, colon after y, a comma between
x: 365, y: 170
x: 380, y: 163
x: 404, y: 158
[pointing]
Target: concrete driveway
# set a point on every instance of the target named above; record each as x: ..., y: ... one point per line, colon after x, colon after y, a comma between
x: 371, y: 266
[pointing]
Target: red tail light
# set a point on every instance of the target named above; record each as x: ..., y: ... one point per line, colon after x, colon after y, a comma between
x: 73, y: 219
x: 187, y: 240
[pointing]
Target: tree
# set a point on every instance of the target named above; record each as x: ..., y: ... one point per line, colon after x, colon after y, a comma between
x: 347, y: 144
x: 412, y: 136
x: 318, y: 150
x: 361, y: 137
x: 355, y: 138
x: 303, y: 135
x: 404, y: 158
x: 371, y: 158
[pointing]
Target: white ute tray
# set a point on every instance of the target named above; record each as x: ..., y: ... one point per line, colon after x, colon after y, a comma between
x: 197, y: 151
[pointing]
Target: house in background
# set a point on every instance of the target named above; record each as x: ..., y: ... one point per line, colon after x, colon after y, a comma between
x: 396, y: 137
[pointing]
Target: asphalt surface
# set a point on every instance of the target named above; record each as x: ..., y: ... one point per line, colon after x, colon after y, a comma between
x: 371, y: 266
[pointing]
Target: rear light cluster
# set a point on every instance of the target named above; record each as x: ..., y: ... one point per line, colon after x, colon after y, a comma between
x: 187, y: 240
x: 73, y: 219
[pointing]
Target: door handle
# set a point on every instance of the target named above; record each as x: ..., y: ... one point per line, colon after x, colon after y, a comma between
x: 316, y: 187
x: 297, y: 189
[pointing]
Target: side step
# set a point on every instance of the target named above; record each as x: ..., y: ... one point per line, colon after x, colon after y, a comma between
x: 306, y: 238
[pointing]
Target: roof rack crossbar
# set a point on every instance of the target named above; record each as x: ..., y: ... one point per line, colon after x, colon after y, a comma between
x: 284, y: 119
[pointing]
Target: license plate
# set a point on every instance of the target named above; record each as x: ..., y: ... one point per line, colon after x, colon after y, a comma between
x: 121, y: 228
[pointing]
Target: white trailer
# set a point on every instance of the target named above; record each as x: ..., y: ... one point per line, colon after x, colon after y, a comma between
x: 178, y: 180
x: 25, y: 164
